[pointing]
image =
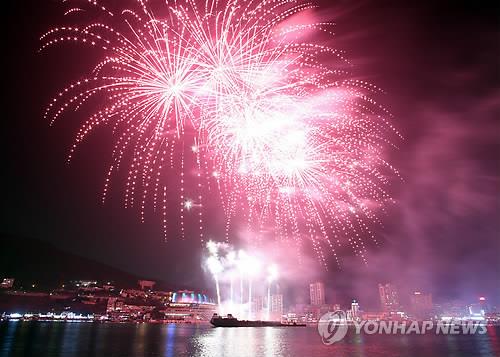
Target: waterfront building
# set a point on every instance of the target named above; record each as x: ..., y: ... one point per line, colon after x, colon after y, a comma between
x: 389, y: 297
x: 317, y: 293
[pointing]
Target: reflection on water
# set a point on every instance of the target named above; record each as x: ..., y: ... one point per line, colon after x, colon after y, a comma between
x: 170, y: 340
x: 46, y: 339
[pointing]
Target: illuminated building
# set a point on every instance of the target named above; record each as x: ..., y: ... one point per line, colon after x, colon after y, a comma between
x: 276, y: 306
x: 478, y: 309
x: 146, y: 284
x: 483, y: 305
x: 421, y: 304
x: 259, y: 304
x: 354, y: 310
x: 180, y: 306
x: 111, y: 305
x: 189, y: 312
x: 7, y: 283
x: 188, y: 296
x: 84, y: 283
x: 389, y: 297
x: 335, y: 307
x: 133, y: 293
x: 317, y: 293
x: 188, y: 306
x: 373, y: 316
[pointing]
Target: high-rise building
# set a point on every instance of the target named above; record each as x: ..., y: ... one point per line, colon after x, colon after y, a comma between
x: 355, y: 310
x: 276, y: 306
x: 259, y: 304
x: 317, y: 293
x: 389, y: 297
x: 421, y: 304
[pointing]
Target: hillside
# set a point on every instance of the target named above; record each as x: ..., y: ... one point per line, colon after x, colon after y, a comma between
x: 31, y: 260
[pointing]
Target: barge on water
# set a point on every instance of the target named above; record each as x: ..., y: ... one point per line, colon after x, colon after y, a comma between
x: 231, y: 321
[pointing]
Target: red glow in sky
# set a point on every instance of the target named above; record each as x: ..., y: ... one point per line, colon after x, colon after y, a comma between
x: 236, y: 98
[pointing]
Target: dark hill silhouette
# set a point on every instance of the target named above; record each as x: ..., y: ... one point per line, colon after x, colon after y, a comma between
x: 34, y: 261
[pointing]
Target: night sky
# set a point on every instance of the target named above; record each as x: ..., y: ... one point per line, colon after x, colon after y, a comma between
x: 438, y: 63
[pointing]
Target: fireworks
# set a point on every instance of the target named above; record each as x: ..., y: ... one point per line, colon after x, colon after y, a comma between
x: 233, y: 95
x: 225, y: 265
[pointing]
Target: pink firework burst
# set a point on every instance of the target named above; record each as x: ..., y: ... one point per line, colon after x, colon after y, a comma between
x: 238, y: 92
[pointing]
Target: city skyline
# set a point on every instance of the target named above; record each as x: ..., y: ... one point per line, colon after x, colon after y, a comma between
x: 107, y: 301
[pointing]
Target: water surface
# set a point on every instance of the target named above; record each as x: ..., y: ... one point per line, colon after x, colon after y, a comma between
x: 66, y: 339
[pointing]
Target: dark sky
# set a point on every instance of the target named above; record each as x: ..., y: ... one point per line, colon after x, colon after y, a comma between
x: 438, y: 62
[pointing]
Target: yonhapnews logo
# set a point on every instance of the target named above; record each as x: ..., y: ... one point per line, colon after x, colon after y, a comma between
x: 333, y: 326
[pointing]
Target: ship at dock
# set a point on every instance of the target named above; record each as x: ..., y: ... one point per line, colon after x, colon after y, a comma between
x: 231, y: 321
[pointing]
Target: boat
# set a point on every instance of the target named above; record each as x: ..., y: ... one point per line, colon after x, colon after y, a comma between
x: 231, y: 321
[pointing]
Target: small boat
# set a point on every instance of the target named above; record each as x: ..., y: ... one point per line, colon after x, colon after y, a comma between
x: 231, y: 321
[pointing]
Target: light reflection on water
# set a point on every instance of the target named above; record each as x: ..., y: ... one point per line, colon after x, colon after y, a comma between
x: 59, y: 339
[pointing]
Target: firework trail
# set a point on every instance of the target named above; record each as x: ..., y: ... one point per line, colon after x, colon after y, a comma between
x: 234, y: 96
x: 222, y: 262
